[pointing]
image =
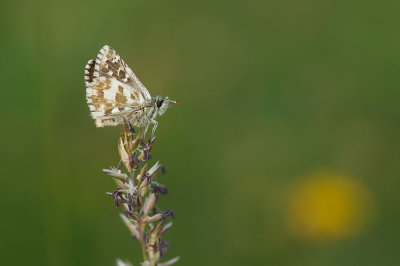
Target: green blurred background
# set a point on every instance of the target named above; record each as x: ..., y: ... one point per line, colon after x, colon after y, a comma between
x: 284, y: 149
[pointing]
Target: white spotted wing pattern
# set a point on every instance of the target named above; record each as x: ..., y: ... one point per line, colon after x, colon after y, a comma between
x: 115, y: 95
x: 113, y: 91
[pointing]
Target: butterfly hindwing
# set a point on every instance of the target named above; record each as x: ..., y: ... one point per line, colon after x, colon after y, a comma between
x: 110, y: 98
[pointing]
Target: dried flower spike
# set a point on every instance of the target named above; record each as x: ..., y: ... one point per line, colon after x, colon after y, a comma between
x: 138, y: 191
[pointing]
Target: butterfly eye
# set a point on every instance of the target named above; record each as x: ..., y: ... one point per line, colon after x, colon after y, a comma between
x: 159, y: 103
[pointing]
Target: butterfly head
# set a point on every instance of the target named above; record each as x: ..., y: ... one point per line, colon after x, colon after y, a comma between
x: 162, y: 104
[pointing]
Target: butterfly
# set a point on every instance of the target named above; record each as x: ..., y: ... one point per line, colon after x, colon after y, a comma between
x: 115, y: 95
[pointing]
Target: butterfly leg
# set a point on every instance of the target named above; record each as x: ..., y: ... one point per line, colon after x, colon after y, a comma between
x: 145, y: 131
x: 154, y: 127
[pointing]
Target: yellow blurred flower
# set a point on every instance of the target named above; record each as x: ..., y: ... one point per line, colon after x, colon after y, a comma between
x: 328, y: 206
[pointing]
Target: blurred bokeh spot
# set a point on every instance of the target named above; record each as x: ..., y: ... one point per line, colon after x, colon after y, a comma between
x: 327, y: 206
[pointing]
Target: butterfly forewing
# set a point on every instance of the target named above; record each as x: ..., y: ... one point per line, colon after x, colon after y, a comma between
x: 109, y: 64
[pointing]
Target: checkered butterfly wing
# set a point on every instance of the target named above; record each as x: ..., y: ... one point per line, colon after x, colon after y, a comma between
x: 112, y: 89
